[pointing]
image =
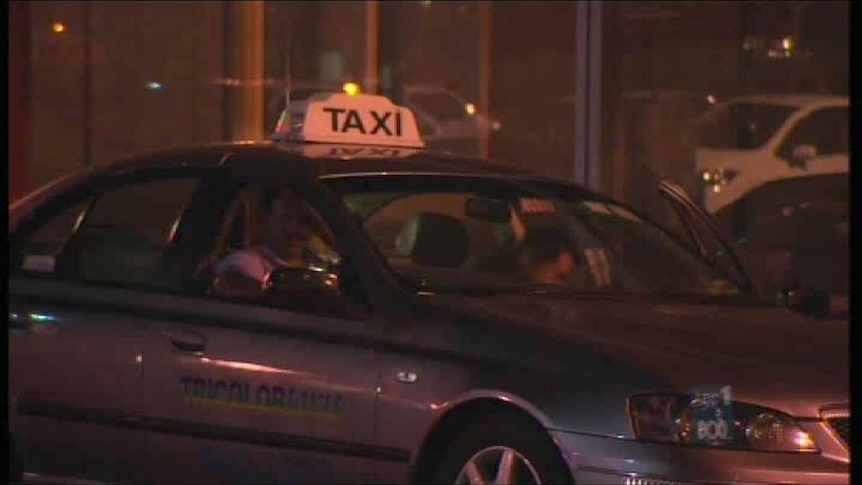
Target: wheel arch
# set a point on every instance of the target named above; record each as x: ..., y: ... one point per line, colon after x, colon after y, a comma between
x: 462, y: 411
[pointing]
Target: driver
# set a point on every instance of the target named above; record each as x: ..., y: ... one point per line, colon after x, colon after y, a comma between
x: 546, y: 257
x: 285, y: 244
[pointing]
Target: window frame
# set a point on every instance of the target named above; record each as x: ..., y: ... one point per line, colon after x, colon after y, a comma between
x: 198, y: 230
x: 320, y: 201
x: 344, y: 184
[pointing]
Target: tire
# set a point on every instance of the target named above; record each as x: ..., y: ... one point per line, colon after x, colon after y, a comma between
x: 537, y: 459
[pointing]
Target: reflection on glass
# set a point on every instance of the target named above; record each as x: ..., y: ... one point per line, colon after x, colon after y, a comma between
x: 441, y: 105
x: 517, y: 77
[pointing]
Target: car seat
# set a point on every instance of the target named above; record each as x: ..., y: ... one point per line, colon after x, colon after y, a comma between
x: 434, y: 239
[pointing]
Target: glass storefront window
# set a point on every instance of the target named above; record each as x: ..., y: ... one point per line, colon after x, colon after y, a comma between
x: 721, y: 98
x: 767, y: 151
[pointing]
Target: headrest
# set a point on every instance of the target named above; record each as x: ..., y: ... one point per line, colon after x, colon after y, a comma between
x: 433, y: 239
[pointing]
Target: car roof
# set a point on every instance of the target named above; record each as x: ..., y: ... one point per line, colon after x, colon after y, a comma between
x: 269, y: 159
x: 273, y: 159
x: 268, y: 155
x: 796, y: 100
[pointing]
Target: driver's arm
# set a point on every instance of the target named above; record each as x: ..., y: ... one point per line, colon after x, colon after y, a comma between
x: 234, y: 284
x: 240, y: 275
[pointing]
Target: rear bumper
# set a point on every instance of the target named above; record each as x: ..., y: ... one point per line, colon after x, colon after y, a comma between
x: 597, y: 460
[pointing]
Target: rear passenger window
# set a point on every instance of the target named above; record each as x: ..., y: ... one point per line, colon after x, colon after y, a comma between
x: 49, y: 239
x: 120, y: 239
x: 145, y: 211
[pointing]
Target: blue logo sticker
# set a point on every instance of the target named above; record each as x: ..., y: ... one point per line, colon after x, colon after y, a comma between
x: 712, y: 415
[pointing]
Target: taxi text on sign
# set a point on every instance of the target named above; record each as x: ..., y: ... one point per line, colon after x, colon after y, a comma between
x: 359, y: 120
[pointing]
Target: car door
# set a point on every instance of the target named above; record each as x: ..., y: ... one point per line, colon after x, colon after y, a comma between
x: 792, y: 234
x: 75, y: 365
x: 252, y: 391
x: 697, y: 229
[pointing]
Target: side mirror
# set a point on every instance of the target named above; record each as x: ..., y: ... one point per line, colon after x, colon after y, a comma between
x: 305, y: 290
x: 800, y: 154
x: 813, y: 303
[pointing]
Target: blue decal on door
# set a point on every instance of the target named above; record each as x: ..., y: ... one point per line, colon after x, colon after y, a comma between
x: 266, y: 397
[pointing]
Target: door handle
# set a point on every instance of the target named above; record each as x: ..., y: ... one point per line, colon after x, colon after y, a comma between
x: 186, y: 341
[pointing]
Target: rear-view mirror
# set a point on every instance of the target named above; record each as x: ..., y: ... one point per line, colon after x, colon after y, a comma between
x: 488, y: 210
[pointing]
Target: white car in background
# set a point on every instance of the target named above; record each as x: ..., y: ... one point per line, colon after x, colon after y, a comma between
x: 445, y: 114
x: 748, y: 141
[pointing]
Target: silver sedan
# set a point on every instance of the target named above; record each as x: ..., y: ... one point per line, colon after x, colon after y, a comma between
x: 429, y: 335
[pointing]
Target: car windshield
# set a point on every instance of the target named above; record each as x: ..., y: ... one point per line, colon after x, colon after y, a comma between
x: 467, y: 233
x: 439, y: 105
x: 742, y: 125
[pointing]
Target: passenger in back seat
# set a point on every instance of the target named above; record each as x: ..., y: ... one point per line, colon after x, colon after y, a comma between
x: 546, y: 257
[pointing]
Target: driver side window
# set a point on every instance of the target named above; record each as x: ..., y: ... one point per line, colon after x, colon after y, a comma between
x: 275, y: 249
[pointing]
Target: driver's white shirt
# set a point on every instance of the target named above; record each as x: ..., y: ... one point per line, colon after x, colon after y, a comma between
x: 254, y: 262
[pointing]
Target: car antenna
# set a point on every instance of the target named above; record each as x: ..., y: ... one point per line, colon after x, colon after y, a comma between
x: 284, y: 117
x: 287, y: 78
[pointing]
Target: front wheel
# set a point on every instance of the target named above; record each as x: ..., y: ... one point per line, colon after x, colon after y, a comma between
x: 502, y: 449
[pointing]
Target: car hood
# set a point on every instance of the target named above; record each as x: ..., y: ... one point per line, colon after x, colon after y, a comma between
x: 769, y: 356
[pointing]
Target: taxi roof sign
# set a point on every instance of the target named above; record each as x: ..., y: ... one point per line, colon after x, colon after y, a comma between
x: 339, y: 118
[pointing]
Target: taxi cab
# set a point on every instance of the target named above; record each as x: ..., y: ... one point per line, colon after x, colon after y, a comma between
x: 412, y: 343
